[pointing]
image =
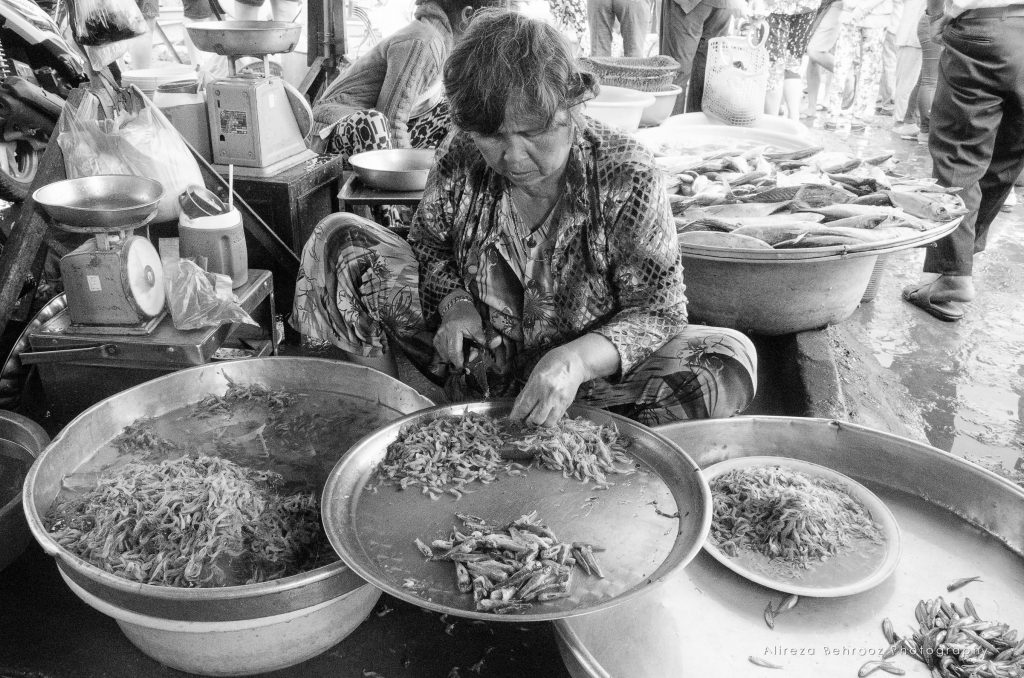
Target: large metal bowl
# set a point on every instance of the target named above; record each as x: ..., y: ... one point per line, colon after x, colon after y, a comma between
x: 105, y: 202
x: 234, y: 630
x: 403, y: 169
x: 956, y: 518
x: 21, y: 441
x: 248, y: 38
x: 774, y: 297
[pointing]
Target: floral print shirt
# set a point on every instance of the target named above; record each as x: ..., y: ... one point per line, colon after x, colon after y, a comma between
x: 609, y: 264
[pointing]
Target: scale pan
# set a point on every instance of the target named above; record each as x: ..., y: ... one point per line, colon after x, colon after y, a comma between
x: 245, y: 38
x: 106, y: 202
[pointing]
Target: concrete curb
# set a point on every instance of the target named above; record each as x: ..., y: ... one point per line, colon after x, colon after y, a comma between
x: 841, y: 379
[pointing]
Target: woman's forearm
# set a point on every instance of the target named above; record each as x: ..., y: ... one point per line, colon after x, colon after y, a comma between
x: 595, y: 356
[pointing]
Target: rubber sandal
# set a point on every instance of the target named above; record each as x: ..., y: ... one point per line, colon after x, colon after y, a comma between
x: 948, y: 311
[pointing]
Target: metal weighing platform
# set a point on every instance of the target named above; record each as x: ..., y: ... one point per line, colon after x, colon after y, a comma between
x: 77, y: 370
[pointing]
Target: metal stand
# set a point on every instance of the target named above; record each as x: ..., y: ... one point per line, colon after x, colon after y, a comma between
x: 325, y: 47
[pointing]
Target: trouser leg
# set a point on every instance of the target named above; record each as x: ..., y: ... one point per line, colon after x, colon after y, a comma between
x: 908, y: 68
x: 601, y: 21
x: 715, y: 25
x: 976, y: 128
x: 704, y: 372
x: 635, y: 23
x: 680, y: 36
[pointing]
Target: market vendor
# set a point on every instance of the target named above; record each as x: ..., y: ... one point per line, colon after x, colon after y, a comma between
x: 542, y: 261
x: 391, y: 97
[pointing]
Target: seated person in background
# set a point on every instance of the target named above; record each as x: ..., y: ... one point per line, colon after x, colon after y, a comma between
x: 391, y: 97
x: 542, y: 261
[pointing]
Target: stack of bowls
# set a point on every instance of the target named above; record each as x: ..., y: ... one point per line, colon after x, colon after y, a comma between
x: 149, y: 79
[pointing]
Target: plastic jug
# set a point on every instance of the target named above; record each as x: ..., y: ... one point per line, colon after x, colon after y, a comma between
x: 221, y: 239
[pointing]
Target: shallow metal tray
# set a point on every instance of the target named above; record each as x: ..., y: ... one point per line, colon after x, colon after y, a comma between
x: 373, y: 531
x: 956, y: 518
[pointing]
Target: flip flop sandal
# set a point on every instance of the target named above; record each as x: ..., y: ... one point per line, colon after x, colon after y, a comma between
x: 948, y: 311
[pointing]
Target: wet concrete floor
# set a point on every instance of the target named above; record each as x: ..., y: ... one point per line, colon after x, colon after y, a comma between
x: 966, y: 377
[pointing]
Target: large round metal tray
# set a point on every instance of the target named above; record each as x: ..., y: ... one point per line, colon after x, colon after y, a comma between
x: 373, y: 531
x: 93, y: 429
x: 957, y: 520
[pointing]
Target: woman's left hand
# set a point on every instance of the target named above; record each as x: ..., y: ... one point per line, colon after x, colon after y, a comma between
x: 551, y: 387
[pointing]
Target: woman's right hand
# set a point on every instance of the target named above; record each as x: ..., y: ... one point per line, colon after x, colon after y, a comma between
x: 461, y: 322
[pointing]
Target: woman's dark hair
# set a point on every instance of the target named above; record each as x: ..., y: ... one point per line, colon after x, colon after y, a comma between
x: 452, y: 8
x: 508, y: 63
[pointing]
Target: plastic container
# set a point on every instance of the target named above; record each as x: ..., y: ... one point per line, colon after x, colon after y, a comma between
x: 185, y: 108
x: 219, y: 238
x: 656, y: 113
x: 149, y: 79
x: 619, y: 106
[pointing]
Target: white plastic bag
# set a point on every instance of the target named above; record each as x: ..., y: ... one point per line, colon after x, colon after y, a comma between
x: 140, y: 142
x: 198, y: 299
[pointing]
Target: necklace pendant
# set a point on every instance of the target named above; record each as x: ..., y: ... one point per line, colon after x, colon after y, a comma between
x: 531, y: 241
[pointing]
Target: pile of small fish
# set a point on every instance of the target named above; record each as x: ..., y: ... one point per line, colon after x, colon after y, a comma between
x: 790, y: 517
x: 509, y: 568
x: 760, y: 199
x: 953, y: 641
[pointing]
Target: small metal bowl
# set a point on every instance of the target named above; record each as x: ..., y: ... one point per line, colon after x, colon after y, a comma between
x: 403, y: 169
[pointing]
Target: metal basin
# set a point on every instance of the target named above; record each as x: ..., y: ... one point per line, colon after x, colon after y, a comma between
x: 234, y: 630
x: 774, y: 297
x: 21, y: 441
x: 956, y: 518
x: 250, y: 38
x: 105, y: 202
x: 403, y: 169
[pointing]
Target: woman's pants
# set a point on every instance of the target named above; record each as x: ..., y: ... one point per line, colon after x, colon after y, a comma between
x: 929, y: 72
x: 358, y: 290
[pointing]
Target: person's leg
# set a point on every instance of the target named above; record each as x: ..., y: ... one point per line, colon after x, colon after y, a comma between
x: 357, y: 290
x: 431, y: 128
x: 846, y: 62
x: 887, y: 76
x: 705, y: 372
x: 822, y: 44
x: 869, y: 73
x: 778, y: 36
x: 358, y: 132
x: 796, y: 47
x: 813, y: 78
x: 635, y: 24
x: 247, y: 10
x: 908, y: 70
x: 601, y: 22
x: 929, y: 73
x: 680, y: 35
x: 976, y: 142
x: 715, y: 25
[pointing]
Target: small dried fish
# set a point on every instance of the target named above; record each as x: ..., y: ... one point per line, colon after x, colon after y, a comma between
x: 757, y: 661
x: 960, y: 583
x: 769, y: 615
x: 787, y: 604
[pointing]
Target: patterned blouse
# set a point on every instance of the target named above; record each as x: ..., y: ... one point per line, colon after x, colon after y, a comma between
x: 614, y: 259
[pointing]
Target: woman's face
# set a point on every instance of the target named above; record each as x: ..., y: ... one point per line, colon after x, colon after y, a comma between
x: 529, y: 152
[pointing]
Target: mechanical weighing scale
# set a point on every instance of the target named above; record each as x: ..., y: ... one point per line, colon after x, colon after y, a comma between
x: 113, y: 281
x: 258, y: 122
